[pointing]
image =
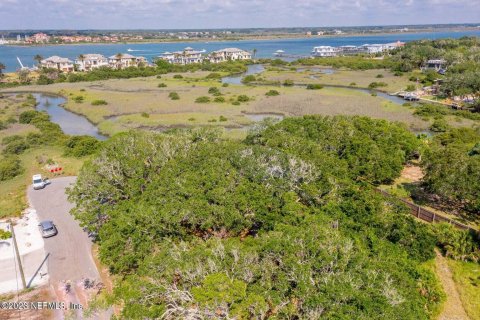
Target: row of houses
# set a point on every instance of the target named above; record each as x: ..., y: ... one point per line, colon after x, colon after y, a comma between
x: 89, y: 62
x: 329, y: 51
x: 189, y: 56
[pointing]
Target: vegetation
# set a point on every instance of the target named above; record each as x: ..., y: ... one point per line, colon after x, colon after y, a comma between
x: 278, y: 226
x: 315, y: 86
x: 10, y: 167
x: 272, y: 93
x: 174, y: 96
x: 202, y: 99
x: 453, y: 168
x: 99, y: 103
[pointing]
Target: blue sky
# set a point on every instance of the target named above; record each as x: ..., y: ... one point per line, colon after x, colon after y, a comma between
x: 169, y: 14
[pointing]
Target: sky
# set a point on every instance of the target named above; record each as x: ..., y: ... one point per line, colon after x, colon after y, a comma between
x: 203, y: 14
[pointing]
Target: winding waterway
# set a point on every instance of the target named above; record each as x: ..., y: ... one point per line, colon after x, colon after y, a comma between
x: 71, y: 123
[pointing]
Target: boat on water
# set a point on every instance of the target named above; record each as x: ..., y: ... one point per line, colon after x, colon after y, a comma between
x: 279, y: 53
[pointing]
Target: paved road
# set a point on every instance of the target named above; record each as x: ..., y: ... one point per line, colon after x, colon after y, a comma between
x: 70, y: 250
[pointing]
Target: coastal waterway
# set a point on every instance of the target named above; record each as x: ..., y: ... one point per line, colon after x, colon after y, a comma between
x: 264, y: 48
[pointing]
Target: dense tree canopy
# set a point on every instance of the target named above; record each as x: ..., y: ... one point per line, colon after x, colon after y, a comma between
x: 202, y: 227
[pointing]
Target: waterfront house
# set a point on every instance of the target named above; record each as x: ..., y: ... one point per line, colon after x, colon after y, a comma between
x: 59, y: 63
x: 187, y: 56
x: 88, y: 62
x: 435, y: 64
x: 325, y: 51
x: 228, y: 54
x: 125, y: 60
x: 350, y: 50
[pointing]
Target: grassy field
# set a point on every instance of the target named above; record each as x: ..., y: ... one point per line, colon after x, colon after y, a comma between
x: 34, y: 160
x: 141, y: 103
x: 467, y: 280
x: 357, y: 78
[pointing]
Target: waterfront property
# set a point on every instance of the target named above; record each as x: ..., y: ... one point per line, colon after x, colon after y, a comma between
x: 325, y: 51
x: 435, y: 64
x: 88, y: 62
x: 59, y: 63
x: 328, y: 51
x: 229, y: 54
x: 125, y: 60
x: 187, y: 56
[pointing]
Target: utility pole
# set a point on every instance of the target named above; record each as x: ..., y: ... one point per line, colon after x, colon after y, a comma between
x: 22, y: 275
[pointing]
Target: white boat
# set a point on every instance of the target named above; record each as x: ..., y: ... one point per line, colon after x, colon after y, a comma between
x: 279, y: 53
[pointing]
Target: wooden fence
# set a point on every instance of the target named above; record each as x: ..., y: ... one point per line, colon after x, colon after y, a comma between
x: 427, y: 215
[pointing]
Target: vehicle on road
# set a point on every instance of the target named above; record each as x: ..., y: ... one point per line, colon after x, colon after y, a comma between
x: 38, y: 182
x: 48, y: 229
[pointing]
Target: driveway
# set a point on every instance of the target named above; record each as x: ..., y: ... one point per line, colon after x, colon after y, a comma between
x: 70, y: 251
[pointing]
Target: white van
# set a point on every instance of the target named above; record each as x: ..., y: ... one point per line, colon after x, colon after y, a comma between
x: 38, y: 182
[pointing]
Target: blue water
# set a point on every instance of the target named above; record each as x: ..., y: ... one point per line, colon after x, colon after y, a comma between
x: 265, y: 48
x: 70, y: 122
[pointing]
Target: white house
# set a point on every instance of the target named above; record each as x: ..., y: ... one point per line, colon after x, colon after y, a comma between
x: 88, y: 62
x: 125, y: 60
x: 228, y: 54
x: 435, y: 64
x: 325, y: 51
x: 187, y: 56
x: 59, y: 63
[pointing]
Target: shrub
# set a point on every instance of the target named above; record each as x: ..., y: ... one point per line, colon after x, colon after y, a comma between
x: 223, y: 119
x: 17, y: 146
x: 213, y: 75
x: 236, y: 103
x: 243, y: 98
x: 374, y: 85
x: 80, y: 146
x: 27, y: 116
x: 288, y: 83
x: 213, y: 90
x: 272, y: 93
x: 178, y: 76
x: 314, y: 87
x: 145, y: 115
x: 78, y: 99
x: 4, y: 235
x: 249, y: 78
x: 99, y: 103
x: 162, y: 85
x: 439, y: 125
x: 353, y: 84
x: 82, y: 90
x: 10, y: 167
x: 398, y: 73
x: 219, y: 99
x: 159, y: 77
x: 34, y: 139
x: 379, y: 76
x: 202, y: 99
x: 225, y: 85
x: 173, y: 96
x: 410, y: 88
x: 3, y: 125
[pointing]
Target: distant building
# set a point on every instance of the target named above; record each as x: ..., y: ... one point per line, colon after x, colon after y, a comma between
x: 122, y: 61
x: 228, y: 54
x: 320, y: 33
x: 59, y: 63
x: 37, y: 38
x: 309, y: 33
x: 91, y: 61
x: 325, y: 51
x: 435, y: 64
x: 187, y: 56
x: 350, y: 50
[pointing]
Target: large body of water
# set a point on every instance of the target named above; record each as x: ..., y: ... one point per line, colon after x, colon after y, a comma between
x: 265, y: 48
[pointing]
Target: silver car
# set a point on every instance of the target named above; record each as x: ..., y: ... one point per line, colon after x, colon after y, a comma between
x: 47, y: 229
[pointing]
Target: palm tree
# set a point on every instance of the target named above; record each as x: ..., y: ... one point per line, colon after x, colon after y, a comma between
x: 119, y: 57
x: 254, y: 51
x: 81, y: 58
x: 38, y: 58
x: 2, y: 67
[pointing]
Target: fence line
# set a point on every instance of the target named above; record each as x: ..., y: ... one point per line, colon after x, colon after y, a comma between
x: 427, y: 215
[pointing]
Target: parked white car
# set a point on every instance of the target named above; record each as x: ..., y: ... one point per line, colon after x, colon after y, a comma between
x: 38, y: 182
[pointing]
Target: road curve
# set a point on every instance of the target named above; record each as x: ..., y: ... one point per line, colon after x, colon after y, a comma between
x: 71, y: 250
